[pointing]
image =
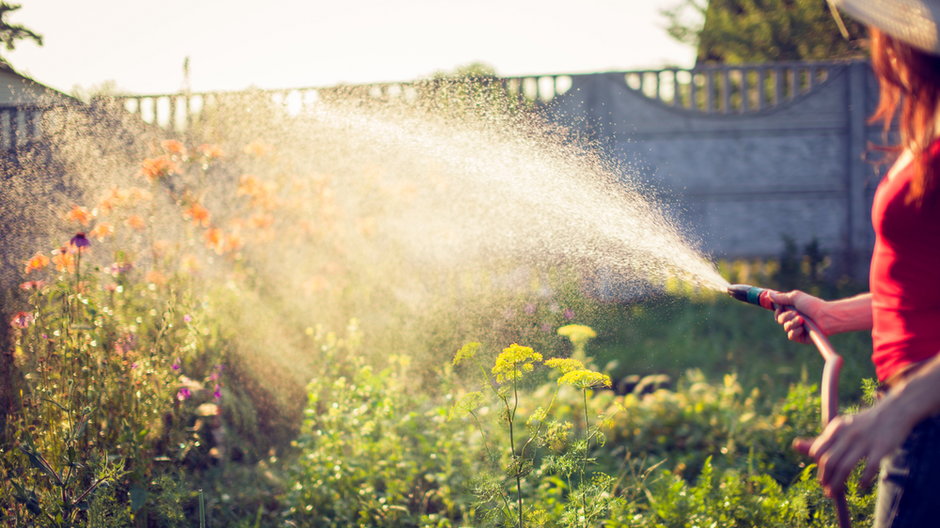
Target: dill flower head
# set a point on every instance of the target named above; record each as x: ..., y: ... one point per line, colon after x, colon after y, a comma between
x: 514, y: 361
x: 466, y: 352
x: 578, y: 334
x: 467, y: 404
x: 565, y: 365
x: 585, y: 379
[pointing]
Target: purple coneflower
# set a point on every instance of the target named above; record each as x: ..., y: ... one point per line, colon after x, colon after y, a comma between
x: 79, y: 242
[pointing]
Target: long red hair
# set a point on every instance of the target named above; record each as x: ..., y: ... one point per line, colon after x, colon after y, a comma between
x: 909, y: 79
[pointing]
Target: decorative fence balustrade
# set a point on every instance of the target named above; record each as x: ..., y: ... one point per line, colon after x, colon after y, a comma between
x: 20, y: 125
x: 716, y: 89
x: 731, y: 89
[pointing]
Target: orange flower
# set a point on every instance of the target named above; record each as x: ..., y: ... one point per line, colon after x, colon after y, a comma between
x: 160, y: 247
x: 317, y: 283
x: 155, y: 277
x: 261, y: 193
x: 233, y: 242
x: 173, y: 146
x: 210, y: 151
x: 215, y: 240
x: 156, y: 168
x: 198, y: 214
x: 189, y: 264
x: 136, y: 222
x: 101, y: 231
x: 258, y: 149
x: 367, y: 226
x: 37, y: 262
x: 139, y: 194
x: 79, y: 215
x: 64, y: 260
x: 249, y: 185
x: 261, y: 221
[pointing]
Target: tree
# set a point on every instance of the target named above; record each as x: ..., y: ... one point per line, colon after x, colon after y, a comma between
x: 11, y: 33
x: 737, y: 31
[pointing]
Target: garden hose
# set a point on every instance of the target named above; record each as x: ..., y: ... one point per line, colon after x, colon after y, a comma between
x: 830, y: 376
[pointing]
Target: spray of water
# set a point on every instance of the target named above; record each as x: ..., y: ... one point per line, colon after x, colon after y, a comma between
x: 389, y: 212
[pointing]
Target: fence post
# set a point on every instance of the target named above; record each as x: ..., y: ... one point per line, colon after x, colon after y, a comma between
x: 857, y: 172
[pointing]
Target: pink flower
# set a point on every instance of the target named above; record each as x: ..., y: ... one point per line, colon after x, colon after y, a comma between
x: 120, y: 267
x: 176, y: 364
x: 187, y: 318
x: 217, y: 393
x: 22, y: 320
x: 183, y: 394
x: 32, y: 285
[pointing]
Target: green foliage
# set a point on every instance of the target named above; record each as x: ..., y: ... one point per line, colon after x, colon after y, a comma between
x: 745, y: 31
x: 374, y: 450
x: 11, y: 33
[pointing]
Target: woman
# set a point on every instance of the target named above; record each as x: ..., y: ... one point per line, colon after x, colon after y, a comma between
x: 902, y: 430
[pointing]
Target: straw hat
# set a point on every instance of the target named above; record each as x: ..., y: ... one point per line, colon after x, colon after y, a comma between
x: 912, y: 21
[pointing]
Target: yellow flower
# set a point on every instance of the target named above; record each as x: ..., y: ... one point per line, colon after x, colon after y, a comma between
x: 578, y: 334
x: 565, y: 365
x: 585, y: 379
x: 466, y: 352
x: 514, y: 361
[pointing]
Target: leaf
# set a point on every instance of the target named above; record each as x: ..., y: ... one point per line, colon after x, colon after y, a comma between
x: 138, y: 498
x: 40, y: 463
x: 28, y: 499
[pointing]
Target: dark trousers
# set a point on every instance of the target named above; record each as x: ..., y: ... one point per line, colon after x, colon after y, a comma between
x: 909, y: 485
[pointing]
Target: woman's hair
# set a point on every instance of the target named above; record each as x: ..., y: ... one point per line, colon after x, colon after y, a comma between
x: 909, y: 79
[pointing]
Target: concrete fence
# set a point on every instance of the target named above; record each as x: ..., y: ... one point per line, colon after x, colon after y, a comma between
x: 743, y: 156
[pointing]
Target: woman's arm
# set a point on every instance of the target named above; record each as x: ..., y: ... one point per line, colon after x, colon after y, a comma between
x: 833, y: 317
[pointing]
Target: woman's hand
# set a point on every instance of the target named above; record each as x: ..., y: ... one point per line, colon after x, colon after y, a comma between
x: 804, y: 303
x: 832, y: 317
x: 869, y: 435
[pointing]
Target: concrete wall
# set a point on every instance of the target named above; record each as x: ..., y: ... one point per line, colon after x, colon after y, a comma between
x: 740, y: 179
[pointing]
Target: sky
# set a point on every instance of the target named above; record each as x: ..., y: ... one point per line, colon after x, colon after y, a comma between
x: 140, y: 46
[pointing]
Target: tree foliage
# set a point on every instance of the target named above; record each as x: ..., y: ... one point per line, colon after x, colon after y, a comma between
x: 738, y: 31
x: 11, y: 33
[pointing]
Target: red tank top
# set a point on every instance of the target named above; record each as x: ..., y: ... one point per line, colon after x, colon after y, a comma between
x: 905, y: 274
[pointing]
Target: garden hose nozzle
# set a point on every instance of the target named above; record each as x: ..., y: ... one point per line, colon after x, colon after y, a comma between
x: 751, y: 294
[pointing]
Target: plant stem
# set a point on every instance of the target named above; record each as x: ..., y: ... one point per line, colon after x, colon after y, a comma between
x: 587, y: 445
x: 512, y: 445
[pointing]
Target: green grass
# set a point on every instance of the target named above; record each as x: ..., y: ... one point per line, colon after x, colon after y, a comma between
x: 670, y: 335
